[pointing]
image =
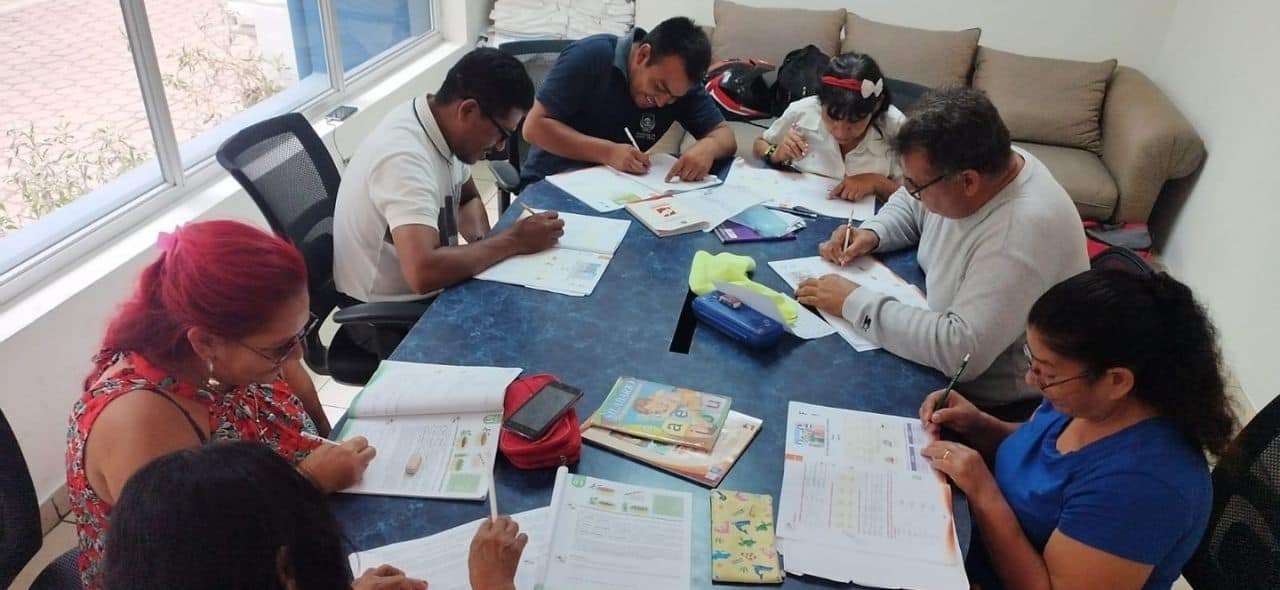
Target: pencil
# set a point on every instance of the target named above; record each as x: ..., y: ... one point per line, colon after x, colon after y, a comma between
x: 849, y: 233
x: 942, y: 399
x: 627, y: 130
x: 493, y: 497
x: 319, y: 439
x: 529, y: 209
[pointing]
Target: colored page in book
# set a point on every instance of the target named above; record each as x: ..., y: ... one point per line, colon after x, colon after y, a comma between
x: 706, y: 468
x: 666, y: 413
x: 453, y: 454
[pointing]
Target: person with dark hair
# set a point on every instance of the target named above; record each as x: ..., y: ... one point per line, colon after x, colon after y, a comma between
x: 208, y: 348
x: 845, y: 131
x: 1107, y: 485
x: 603, y: 86
x: 407, y: 193
x: 234, y: 516
x: 994, y: 232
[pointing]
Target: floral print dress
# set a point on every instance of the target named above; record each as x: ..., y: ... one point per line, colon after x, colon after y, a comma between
x: 269, y: 413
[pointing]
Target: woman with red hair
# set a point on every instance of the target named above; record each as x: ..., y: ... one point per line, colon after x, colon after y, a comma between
x: 206, y: 349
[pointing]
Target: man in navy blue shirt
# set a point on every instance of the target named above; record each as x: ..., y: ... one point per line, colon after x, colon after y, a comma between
x: 604, y: 85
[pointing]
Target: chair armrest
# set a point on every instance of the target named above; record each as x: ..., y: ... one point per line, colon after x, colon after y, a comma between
x: 381, y: 313
x: 505, y: 175
x: 1145, y: 142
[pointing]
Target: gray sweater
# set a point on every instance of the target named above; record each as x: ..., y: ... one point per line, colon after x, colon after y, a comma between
x: 982, y: 275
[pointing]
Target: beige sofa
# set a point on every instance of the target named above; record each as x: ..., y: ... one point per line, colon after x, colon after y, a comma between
x: 1109, y: 135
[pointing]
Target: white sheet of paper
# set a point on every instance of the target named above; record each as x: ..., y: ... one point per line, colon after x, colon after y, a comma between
x: 789, y: 189
x: 607, y: 534
x: 859, y: 503
x: 590, y: 233
x: 441, y: 559
x: 558, y: 270
x: 868, y: 272
x: 806, y: 326
x: 399, y: 388
x: 655, y: 179
x: 454, y: 451
x: 600, y: 187
x: 715, y: 205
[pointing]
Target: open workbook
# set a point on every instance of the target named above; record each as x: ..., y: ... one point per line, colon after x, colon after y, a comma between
x: 435, y: 428
x: 574, y: 265
x: 606, y: 189
x: 595, y: 534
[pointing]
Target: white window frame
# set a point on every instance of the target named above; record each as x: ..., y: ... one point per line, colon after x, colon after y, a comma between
x: 163, y: 182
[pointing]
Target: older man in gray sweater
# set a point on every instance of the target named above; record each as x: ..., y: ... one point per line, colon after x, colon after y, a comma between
x: 994, y: 230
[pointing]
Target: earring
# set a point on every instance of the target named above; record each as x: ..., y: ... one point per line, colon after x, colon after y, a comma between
x: 212, y: 382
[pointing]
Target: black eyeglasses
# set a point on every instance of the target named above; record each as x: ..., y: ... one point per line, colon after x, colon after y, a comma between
x: 919, y: 189
x: 506, y: 135
x: 1026, y: 351
x: 278, y: 354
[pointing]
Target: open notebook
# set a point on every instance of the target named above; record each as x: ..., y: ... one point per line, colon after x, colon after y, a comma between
x: 435, y: 428
x: 606, y: 189
x: 574, y: 265
x: 595, y: 534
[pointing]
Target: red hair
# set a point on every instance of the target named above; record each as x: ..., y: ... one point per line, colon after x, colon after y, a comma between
x: 227, y: 277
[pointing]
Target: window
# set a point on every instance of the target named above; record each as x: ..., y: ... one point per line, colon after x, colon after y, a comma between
x: 107, y: 102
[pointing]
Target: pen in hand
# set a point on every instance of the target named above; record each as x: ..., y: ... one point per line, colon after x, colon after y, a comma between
x: 848, y: 234
x: 942, y: 399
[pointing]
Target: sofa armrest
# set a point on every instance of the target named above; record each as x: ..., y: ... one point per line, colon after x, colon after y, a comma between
x: 1145, y: 142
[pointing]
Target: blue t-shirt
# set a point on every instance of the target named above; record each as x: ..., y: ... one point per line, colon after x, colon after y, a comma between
x: 589, y: 90
x: 1143, y: 493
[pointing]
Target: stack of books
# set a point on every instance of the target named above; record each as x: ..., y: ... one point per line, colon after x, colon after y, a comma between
x: 683, y: 431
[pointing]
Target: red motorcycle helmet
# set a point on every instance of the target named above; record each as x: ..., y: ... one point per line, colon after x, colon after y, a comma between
x: 739, y: 89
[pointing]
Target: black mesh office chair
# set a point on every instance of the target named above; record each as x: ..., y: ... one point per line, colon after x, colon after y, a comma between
x: 20, y: 532
x: 1120, y: 258
x: 1241, y: 548
x: 538, y: 57
x: 288, y: 172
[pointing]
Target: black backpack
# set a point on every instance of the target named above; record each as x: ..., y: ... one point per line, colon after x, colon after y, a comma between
x: 798, y: 77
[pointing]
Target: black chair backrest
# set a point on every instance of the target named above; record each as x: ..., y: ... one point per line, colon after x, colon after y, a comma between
x: 20, y: 531
x: 1120, y: 258
x: 288, y: 173
x: 537, y: 56
x: 1241, y: 548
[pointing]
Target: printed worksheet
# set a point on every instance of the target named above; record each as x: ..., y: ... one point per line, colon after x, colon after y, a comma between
x: 867, y: 272
x: 441, y: 559
x: 606, y: 189
x: 574, y: 266
x: 435, y: 428
x: 855, y: 485
x: 612, y: 535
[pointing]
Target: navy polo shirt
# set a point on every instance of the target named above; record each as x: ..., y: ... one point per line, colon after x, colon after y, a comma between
x: 589, y: 90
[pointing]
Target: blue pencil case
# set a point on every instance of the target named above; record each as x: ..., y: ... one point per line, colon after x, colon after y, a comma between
x: 737, y: 320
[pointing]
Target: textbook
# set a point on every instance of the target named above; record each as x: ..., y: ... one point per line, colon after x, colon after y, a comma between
x: 704, y: 467
x: 667, y: 216
x: 665, y: 413
x: 573, y: 266
x: 732, y: 232
x: 435, y: 428
x: 633, y: 537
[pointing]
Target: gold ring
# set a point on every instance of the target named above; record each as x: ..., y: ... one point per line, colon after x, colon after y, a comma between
x: 946, y: 454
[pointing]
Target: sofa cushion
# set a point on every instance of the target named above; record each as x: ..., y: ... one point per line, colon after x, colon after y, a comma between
x: 928, y: 58
x: 1042, y: 100
x: 1084, y: 176
x: 770, y: 33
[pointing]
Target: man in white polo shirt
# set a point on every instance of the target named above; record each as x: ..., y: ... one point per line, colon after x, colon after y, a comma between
x: 407, y: 193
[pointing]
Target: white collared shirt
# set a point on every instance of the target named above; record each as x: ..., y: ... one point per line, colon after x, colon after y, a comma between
x: 873, y: 154
x: 399, y: 175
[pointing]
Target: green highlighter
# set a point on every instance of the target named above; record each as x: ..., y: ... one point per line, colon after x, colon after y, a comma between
x: 942, y: 399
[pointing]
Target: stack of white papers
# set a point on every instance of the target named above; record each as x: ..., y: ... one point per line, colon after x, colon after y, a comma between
x: 861, y: 504
x: 574, y: 266
x: 443, y: 420
x: 595, y: 534
x: 792, y: 189
x: 605, y: 189
x: 867, y: 272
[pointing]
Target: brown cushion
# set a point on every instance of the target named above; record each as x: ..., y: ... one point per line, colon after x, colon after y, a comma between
x: 770, y: 33
x: 929, y: 58
x: 1084, y: 176
x: 1053, y: 101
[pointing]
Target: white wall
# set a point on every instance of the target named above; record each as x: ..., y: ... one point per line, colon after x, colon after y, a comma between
x: 1131, y: 31
x: 1218, y: 66
x: 46, y: 357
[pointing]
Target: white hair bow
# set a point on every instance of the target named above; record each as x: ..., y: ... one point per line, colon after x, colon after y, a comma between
x: 870, y: 89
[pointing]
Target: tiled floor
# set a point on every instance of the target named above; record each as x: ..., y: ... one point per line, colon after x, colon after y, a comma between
x: 57, y: 542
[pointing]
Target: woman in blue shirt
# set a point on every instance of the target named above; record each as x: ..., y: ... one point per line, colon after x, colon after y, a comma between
x: 1106, y: 486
